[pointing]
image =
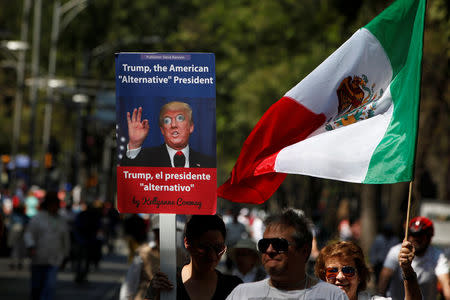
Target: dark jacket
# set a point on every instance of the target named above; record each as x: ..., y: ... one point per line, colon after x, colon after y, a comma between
x: 159, y: 157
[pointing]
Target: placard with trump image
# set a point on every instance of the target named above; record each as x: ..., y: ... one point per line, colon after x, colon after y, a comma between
x: 166, y: 133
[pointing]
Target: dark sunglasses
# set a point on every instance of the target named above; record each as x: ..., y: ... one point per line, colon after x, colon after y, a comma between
x: 348, y: 271
x: 278, y: 244
x: 417, y: 234
x: 218, y: 249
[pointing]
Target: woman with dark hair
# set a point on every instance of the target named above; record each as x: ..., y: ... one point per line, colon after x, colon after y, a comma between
x: 204, y: 240
x: 343, y: 264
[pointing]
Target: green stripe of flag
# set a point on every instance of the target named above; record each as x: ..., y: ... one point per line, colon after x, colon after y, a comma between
x: 400, y: 31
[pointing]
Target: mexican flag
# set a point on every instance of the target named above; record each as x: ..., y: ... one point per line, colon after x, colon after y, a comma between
x: 354, y: 118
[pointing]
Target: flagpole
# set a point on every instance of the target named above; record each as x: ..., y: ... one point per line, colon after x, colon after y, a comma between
x: 417, y: 131
x: 409, y: 209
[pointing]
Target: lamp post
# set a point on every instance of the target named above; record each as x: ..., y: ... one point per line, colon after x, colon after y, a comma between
x: 34, y: 74
x: 15, y: 45
x: 19, y: 63
x: 62, y: 16
x: 80, y: 101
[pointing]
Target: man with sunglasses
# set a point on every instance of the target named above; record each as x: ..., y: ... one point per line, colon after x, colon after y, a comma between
x: 285, y: 249
x: 430, y: 264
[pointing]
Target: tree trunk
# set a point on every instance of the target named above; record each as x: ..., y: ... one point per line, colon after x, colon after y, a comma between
x: 396, y: 215
x: 368, y: 216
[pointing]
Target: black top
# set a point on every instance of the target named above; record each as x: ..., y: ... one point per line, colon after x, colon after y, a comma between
x: 225, y: 284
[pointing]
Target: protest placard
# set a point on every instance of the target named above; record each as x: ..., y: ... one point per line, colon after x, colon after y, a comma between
x: 166, y: 133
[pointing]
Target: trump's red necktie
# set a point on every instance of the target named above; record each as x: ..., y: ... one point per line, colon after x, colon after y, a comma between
x: 179, y: 159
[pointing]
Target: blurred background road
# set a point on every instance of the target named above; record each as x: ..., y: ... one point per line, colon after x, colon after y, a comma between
x: 102, y: 284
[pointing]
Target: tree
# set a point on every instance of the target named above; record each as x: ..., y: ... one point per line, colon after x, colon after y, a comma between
x: 262, y: 49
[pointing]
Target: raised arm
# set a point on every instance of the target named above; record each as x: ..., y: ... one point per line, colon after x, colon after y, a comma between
x: 410, y: 283
x: 137, y: 129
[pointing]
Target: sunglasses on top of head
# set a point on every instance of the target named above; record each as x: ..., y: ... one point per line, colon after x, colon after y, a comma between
x: 332, y: 273
x: 280, y: 245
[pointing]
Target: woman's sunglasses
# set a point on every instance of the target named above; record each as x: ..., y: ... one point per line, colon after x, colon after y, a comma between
x: 278, y: 244
x: 348, y: 271
x: 218, y: 249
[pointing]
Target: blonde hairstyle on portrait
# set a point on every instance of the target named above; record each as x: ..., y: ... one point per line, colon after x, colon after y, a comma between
x: 172, y: 106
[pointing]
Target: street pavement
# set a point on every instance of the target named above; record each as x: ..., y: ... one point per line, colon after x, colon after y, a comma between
x: 102, y: 284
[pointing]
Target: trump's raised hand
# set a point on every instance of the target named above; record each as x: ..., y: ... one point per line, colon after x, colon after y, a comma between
x: 137, y: 129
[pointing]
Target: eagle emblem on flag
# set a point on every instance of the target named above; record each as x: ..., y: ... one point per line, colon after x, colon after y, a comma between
x: 357, y: 101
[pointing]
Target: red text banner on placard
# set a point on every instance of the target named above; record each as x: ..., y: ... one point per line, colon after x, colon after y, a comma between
x: 184, y: 191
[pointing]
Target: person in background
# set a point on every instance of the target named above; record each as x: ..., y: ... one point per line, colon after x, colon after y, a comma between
x: 31, y: 202
x: 145, y: 264
x: 246, y: 261
x: 110, y: 221
x: 384, y: 241
x: 85, y: 231
x: 17, y: 224
x: 343, y: 264
x: 236, y: 230
x: 256, y: 225
x: 205, y: 242
x: 47, y: 240
x: 135, y: 229
x: 285, y: 249
x: 69, y: 216
x: 430, y: 264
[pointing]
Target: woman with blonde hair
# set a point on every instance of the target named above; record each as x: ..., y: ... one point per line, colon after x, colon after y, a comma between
x: 343, y: 264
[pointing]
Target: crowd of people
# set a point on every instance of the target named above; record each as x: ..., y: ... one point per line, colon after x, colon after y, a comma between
x: 242, y: 254
x: 225, y: 258
x: 48, y: 233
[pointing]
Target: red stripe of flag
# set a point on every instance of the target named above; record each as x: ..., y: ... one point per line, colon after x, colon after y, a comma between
x: 253, y: 179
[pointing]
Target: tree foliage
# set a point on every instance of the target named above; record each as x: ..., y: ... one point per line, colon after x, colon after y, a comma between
x: 262, y: 49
